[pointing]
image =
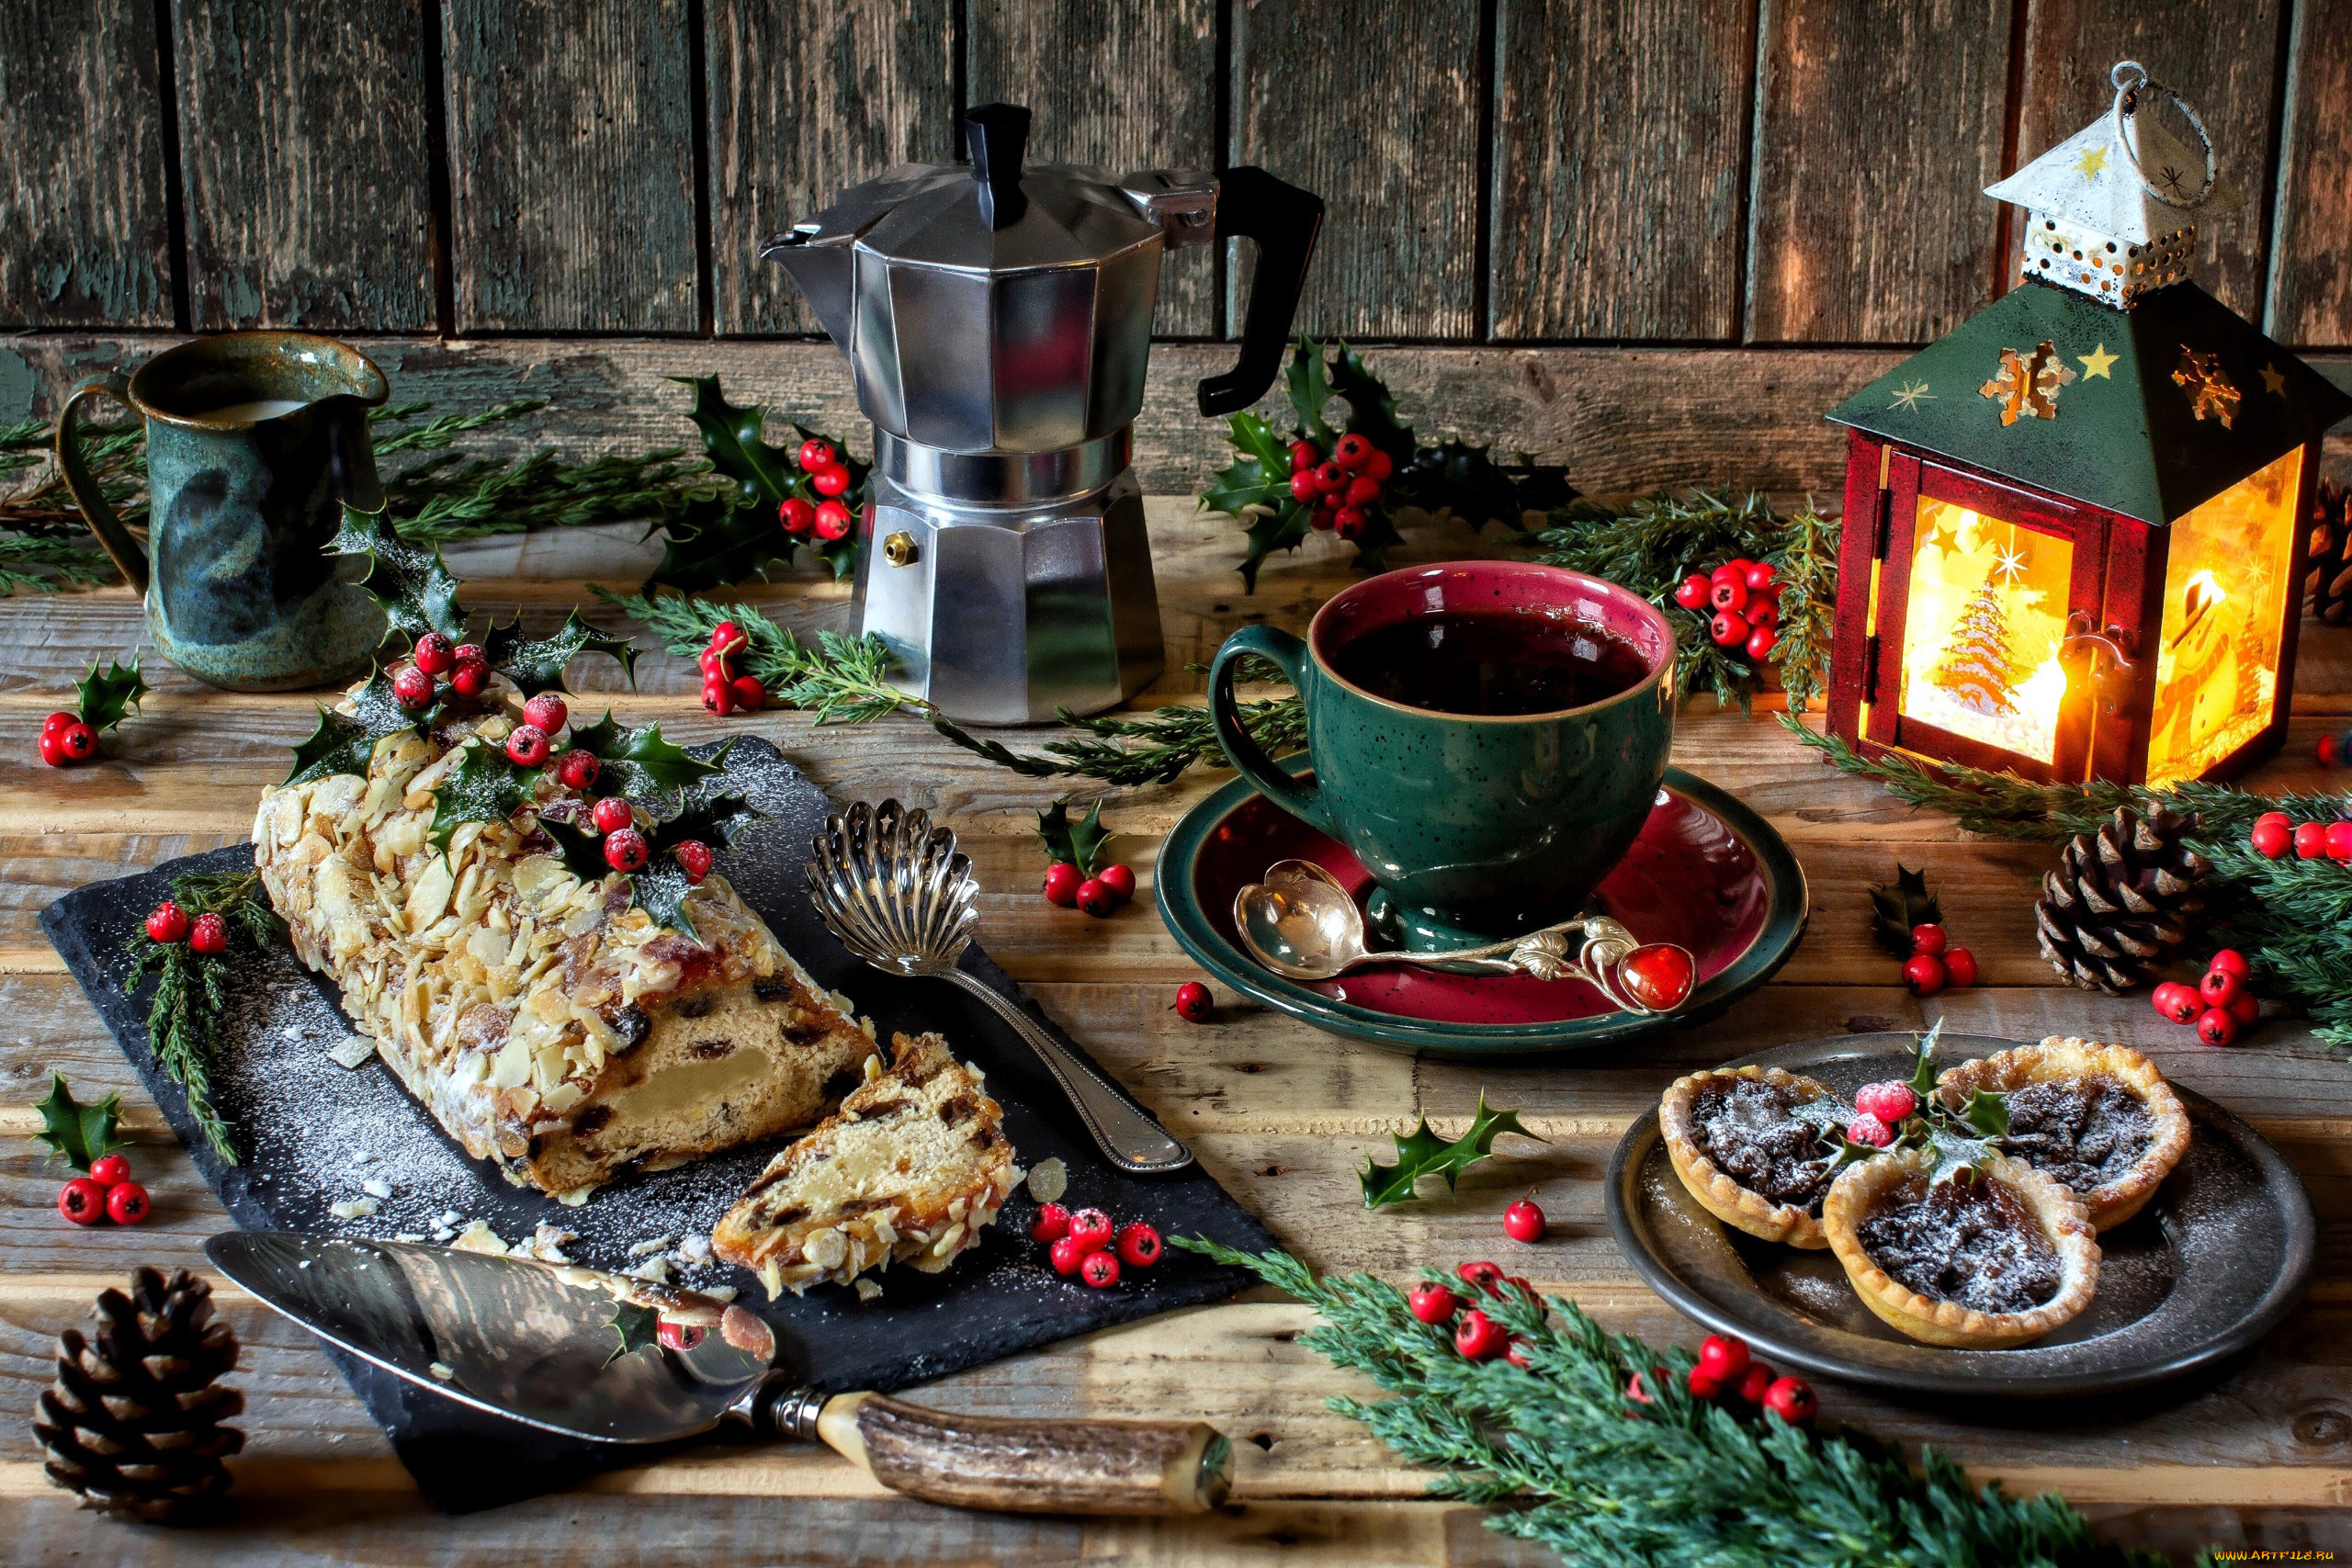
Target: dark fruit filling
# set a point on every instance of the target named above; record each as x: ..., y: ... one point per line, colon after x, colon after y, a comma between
x: 1971, y: 1242
x: 1747, y: 1128
x: 2086, y: 1133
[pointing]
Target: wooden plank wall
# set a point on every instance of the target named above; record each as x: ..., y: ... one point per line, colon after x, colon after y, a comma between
x: 1679, y: 173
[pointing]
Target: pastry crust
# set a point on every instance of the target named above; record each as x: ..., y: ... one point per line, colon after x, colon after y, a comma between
x: 2066, y: 1059
x: 546, y: 1024
x: 1856, y: 1195
x: 1716, y: 1189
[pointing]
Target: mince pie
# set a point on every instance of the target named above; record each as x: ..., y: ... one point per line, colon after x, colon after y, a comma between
x: 1736, y: 1140
x: 2096, y: 1118
x: 1975, y: 1261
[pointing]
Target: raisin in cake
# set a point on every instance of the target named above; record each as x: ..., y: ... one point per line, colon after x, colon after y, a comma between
x: 546, y: 1024
x: 914, y: 1164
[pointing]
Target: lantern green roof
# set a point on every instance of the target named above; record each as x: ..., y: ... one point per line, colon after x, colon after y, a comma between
x: 2125, y: 390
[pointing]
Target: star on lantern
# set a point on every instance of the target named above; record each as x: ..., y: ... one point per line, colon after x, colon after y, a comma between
x: 2210, y: 391
x: 2092, y: 162
x: 2274, y: 381
x: 2172, y: 179
x: 2008, y: 564
x: 2097, y: 363
x: 2028, y: 383
x: 1911, y: 394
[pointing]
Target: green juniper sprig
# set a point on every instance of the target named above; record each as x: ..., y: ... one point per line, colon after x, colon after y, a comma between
x: 1651, y: 543
x: 192, y: 989
x: 846, y: 680
x: 1676, y: 1483
x: 2290, y: 917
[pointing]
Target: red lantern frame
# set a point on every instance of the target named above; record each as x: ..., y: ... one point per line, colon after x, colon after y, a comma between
x: 2115, y: 604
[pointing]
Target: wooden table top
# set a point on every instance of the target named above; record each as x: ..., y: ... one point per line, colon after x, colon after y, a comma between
x: 2260, y: 1456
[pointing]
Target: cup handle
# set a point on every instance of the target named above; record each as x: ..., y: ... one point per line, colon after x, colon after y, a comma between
x: 119, y: 545
x: 1288, y: 654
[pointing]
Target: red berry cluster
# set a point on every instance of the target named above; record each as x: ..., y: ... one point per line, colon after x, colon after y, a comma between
x: 2275, y: 833
x: 418, y: 683
x: 1880, y: 1109
x: 168, y: 924
x: 1344, y: 485
x: 1086, y: 1244
x: 1725, y: 1367
x: 65, y: 741
x: 1476, y: 1337
x: 723, y: 691
x: 1743, y: 599
x: 1935, y: 964
x: 2221, y: 1005
x: 107, y: 1193
x: 823, y: 472
x: 1098, y: 895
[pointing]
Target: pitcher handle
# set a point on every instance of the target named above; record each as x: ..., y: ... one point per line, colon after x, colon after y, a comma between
x: 1288, y: 654
x: 124, y: 549
x: 1284, y: 220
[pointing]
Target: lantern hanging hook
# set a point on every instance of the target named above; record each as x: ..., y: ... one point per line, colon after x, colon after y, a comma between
x: 2131, y: 79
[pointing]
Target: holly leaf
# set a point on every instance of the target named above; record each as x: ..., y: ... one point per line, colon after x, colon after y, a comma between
x: 1987, y: 1111
x: 661, y: 891
x: 1311, y: 391
x: 715, y: 817
x: 419, y: 594
x: 1284, y: 529
x: 1456, y: 477
x: 75, y: 1132
x: 1923, y: 1063
x: 1371, y: 408
x: 1259, y: 475
x: 536, y: 664
x: 712, y: 543
x: 1850, y: 1153
x: 343, y: 741
x: 1958, y: 1157
x: 638, y: 762
x: 105, y: 698
x: 1898, y: 906
x: 485, y: 786
x: 1425, y: 1153
x: 582, y: 851
x: 1080, y: 842
x: 733, y: 436
x: 639, y: 1327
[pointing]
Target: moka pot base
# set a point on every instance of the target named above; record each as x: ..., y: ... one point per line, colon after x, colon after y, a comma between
x: 1010, y: 585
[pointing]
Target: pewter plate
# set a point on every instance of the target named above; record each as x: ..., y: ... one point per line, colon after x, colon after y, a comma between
x: 2214, y: 1262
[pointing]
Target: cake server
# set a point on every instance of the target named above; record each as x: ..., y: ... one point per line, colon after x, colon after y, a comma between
x: 542, y: 1344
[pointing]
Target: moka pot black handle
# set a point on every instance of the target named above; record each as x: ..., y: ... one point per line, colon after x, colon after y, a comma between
x: 1285, y: 220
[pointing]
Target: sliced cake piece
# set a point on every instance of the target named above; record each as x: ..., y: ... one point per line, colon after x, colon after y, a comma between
x: 914, y: 1164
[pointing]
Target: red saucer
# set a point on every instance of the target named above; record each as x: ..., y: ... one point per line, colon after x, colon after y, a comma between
x: 1705, y: 874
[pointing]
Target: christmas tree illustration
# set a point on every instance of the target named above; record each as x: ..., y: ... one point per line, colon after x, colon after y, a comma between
x: 1978, y: 668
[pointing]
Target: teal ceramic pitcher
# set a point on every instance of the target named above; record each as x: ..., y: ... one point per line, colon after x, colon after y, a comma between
x: 255, y: 442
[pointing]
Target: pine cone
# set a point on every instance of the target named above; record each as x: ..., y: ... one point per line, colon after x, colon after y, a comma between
x: 2121, y: 900
x: 132, y: 1422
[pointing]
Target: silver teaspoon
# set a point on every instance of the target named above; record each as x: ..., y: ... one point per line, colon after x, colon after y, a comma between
x: 1301, y: 924
x: 891, y: 886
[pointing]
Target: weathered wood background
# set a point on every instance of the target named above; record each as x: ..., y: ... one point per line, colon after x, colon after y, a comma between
x: 1727, y: 200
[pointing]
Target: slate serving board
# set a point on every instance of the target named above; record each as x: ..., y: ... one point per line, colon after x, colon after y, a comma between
x: 302, y: 1123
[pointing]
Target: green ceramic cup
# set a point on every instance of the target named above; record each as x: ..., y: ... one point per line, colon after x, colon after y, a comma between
x: 1474, y: 827
x: 255, y: 442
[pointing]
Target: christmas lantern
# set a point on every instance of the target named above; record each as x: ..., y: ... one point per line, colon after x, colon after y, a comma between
x: 2072, y: 545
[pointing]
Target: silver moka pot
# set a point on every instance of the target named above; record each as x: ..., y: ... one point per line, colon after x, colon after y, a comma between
x: 997, y: 319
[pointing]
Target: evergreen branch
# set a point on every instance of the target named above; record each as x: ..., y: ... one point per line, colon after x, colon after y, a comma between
x: 846, y: 680
x: 44, y: 565
x: 192, y: 992
x: 1678, y: 1483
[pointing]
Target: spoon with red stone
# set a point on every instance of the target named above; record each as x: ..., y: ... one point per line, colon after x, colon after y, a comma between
x: 1301, y: 924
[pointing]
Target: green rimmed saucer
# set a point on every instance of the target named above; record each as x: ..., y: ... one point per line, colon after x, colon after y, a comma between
x: 1706, y: 873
